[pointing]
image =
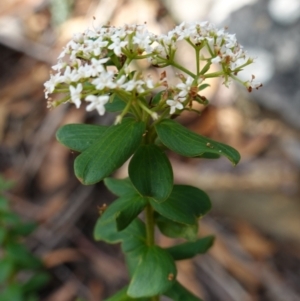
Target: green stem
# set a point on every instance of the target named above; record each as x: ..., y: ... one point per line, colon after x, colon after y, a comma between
x: 197, y: 60
x: 182, y: 69
x: 150, y: 225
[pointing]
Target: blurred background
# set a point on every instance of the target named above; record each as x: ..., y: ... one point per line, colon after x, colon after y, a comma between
x: 256, y: 205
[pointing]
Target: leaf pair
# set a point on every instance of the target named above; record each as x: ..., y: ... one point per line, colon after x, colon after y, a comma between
x: 144, y: 260
x: 177, y: 216
x: 104, y: 149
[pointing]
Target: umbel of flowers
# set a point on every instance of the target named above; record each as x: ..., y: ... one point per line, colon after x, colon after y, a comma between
x: 99, y: 67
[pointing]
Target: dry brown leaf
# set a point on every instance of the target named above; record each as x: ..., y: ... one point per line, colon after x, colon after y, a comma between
x: 54, y: 171
x: 186, y: 276
x: 52, y: 208
x: 61, y: 256
x: 96, y: 289
x: 66, y: 292
x: 253, y: 242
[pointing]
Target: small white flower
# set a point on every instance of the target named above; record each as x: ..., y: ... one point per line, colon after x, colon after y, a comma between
x: 51, y: 83
x: 175, y: 104
x: 75, y: 94
x: 104, y: 80
x: 95, y: 46
x: 60, y: 65
x: 84, y: 71
x: 97, y: 66
x: 134, y: 84
x: 185, y: 87
x: 97, y: 102
x: 117, y: 46
x: 142, y: 39
x: 70, y: 75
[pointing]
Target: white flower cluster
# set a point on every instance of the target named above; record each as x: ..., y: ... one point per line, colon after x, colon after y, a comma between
x: 84, y: 71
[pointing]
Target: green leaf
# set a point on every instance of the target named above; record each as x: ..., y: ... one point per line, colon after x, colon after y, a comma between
x: 151, y: 172
x: 179, y: 293
x: 106, y: 155
x: 6, y: 269
x: 35, y: 283
x: 5, y: 184
x: 118, y: 216
x: 154, y: 275
x: 12, y: 292
x: 9, y: 219
x: 116, y: 105
x: 119, y: 187
x: 79, y: 137
x: 24, y: 229
x: 209, y: 156
x: 191, y: 249
x: 172, y: 229
x: 203, y: 86
x: 122, y: 296
x: 3, y: 235
x: 3, y: 204
x: 130, y: 206
x: 156, y: 99
x: 134, y: 236
x: 186, y: 143
x: 185, y: 205
x: 22, y: 257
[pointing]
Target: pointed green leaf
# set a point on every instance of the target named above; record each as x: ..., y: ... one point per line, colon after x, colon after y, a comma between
x: 122, y: 296
x: 116, y: 105
x: 155, y: 274
x: 133, y: 238
x: 116, y: 145
x: 157, y: 98
x: 179, y: 293
x: 185, y: 205
x: 35, y: 283
x: 10, y: 219
x: 12, y: 292
x: 118, y: 216
x: 203, y: 86
x: 186, y: 143
x: 23, y: 229
x: 3, y: 204
x: 79, y: 137
x: 174, y: 230
x: 119, y: 187
x: 151, y: 172
x: 3, y: 234
x: 22, y: 257
x: 6, y: 269
x: 130, y: 206
x: 191, y: 249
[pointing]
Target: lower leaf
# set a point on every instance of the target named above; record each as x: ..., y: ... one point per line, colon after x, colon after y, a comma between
x: 174, y: 230
x: 191, y: 249
x: 180, y: 293
x: 122, y: 296
x: 154, y: 275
